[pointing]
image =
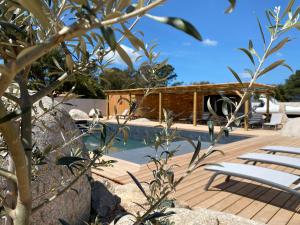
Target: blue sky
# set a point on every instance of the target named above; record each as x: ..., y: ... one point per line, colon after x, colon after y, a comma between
x: 223, y: 34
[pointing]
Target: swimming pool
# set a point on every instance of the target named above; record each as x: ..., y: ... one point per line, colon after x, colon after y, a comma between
x: 135, y: 149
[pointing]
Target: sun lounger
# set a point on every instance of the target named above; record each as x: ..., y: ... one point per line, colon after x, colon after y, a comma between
x: 282, y: 149
x: 256, y: 119
x: 124, y: 114
x: 272, y: 159
x: 274, y: 178
x: 276, y: 120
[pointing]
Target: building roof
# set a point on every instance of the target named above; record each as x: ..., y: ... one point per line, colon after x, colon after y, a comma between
x: 204, y: 88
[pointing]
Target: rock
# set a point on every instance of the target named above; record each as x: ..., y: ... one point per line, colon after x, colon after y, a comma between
x: 54, y: 129
x: 95, y: 112
x: 129, y: 193
x: 291, y: 128
x: 197, y: 217
x: 77, y: 114
x: 103, y: 201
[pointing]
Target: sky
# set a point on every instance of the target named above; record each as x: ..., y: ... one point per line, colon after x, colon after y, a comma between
x: 222, y: 33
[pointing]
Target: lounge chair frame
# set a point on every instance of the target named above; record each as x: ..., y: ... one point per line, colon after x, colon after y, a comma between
x: 294, y: 178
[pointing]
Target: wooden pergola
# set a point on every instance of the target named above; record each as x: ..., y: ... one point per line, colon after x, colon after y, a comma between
x: 181, y: 99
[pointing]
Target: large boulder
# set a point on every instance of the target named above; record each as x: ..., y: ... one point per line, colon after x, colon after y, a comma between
x: 291, y: 128
x: 95, y: 113
x: 55, y: 129
x: 77, y: 114
x: 104, y: 202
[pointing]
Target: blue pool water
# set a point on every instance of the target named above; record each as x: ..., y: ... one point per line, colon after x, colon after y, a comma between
x: 92, y: 141
x: 136, y: 150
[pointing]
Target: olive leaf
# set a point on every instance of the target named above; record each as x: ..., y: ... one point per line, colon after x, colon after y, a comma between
x: 278, y: 46
x: 271, y: 67
x: 210, y: 109
x: 231, y: 7
x: 261, y: 32
x: 248, y: 53
x: 123, y: 4
x: 124, y: 56
x: 179, y: 24
x: 109, y: 37
x: 235, y: 75
x: 288, y: 8
x: 138, y: 184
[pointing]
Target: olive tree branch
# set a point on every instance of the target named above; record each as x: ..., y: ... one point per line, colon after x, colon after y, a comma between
x: 5, y: 173
x: 11, y: 97
x: 18, y: 155
x: 67, y: 33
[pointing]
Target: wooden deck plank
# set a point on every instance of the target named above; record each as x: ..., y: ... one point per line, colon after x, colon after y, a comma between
x: 284, y: 215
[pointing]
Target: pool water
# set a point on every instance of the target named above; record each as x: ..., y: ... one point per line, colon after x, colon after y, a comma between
x: 136, y: 150
x: 92, y: 141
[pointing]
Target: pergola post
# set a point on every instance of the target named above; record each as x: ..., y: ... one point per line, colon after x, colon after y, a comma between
x: 107, y: 106
x: 160, y: 107
x: 268, y: 106
x: 195, y: 109
x: 246, y: 120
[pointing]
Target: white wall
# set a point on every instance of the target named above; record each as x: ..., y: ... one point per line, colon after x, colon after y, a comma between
x: 85, y: 104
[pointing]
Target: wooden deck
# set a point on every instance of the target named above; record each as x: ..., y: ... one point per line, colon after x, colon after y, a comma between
x: 240, y: 197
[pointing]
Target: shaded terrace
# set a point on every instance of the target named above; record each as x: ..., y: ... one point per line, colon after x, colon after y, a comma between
x: 183, y: 101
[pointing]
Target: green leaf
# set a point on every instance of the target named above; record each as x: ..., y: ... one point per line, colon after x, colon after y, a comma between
x: 248, y: 54
x: 109, y: 37
x: 123, y: 4
x: 10, y: 116
x: 179, y: 24
x: 27, y: 51
x: 123, y: 54
x: 261, y: 32
x: 196, y: 152
x: 136, y: 43
x: 296, y: 25
x: 278, y: 46
x: 271, y: 67
x: 225, y: 108
x: 138, y: 184
x: 287, y: 66
x: 235, y: 75
x: 250, y: 72
x: 288, y: 8
x: 69, y: 62
x: 57, y: 64
x: 68, y: 160
x: 231, y: 7
x: 109, y: 6
x: 13, y: 115
x: 296, y: 13
x: 210, y: 109
x: 268, y: 17
x: 39, y: 10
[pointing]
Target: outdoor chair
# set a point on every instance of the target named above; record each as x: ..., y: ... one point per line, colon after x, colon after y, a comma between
x: 274, y: 178
x: 205, y: 117
x: 256, y: 119
x: 276, y: 120
x: 124, y: 114
x: 281, y: 149
x: 291, y: 162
